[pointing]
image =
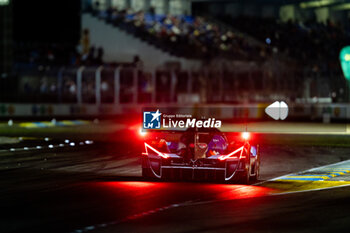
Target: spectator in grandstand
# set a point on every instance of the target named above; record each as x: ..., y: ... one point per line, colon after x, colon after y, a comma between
x: 137, y: 62
x: 181, y: 35
x: 152, y: 12
x: 99, y: 57
x: 96, y: 7
x: 110, y: 12
x: 85, y: 42
x: 90, y: 58
x: 299, y: 40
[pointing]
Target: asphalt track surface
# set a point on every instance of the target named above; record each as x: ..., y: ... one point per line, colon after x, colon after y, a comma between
x: 84, y: 187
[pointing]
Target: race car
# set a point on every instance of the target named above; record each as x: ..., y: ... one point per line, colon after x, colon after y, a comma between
x: 200, y: 154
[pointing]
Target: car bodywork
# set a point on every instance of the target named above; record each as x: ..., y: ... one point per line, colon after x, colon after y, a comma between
x: 200, y: 155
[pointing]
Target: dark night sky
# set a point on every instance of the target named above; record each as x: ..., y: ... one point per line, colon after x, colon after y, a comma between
x: 46, y: 21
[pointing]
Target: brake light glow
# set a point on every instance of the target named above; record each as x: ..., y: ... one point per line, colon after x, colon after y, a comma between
x: 141, y: 132
x: 156, y: 151
x: 223, y: 157
x: 245, y: 135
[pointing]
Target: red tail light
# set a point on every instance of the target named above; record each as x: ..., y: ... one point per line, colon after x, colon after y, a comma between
x: 223, y: 157
x: 245, y: 135
x: 142, y: 133
x: 156, y: 151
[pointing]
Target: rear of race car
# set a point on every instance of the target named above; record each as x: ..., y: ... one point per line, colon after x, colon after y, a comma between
x: 205, y: 162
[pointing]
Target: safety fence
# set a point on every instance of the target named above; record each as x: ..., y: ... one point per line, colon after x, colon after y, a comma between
x: 325, y: 112
x: 105, y: 85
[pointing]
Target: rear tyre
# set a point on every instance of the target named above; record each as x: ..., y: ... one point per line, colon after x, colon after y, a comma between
x: 244, y: 178
x: 257, y: 170
x: 146, y: 173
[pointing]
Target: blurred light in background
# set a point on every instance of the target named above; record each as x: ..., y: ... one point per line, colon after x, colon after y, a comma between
x: 141, y: 132
x: 245, y: 135
x: 320, y: 3
x: 344, y: 58
x: 4, y: 2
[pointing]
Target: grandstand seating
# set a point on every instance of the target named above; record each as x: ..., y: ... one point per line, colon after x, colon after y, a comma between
x: 183, y: 36
x: 305, y: 41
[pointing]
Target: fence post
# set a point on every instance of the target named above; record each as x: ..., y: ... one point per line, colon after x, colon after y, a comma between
x: 189, y: 82
x: 221, y: 85
x: 154, y: 86
x: 209, y: 85
x: 172, y: 86
x: 98, y: 85
x: 117, y: 85
x: 59, y: 84
x: 79, y: 84
x: 135, y: 85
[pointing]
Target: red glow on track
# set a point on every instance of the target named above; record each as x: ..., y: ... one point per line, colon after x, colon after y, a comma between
x: 135, y: 184
x: 136, y: 199
x: 231, y: 192
x: 168, y: 193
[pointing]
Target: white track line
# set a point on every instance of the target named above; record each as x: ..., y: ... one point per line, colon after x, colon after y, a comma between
x: 309, y: 190
x: 298, y: 173
x: 308, y: 170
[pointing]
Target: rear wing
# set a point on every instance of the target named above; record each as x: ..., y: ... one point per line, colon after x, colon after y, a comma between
x: 172, y: 134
